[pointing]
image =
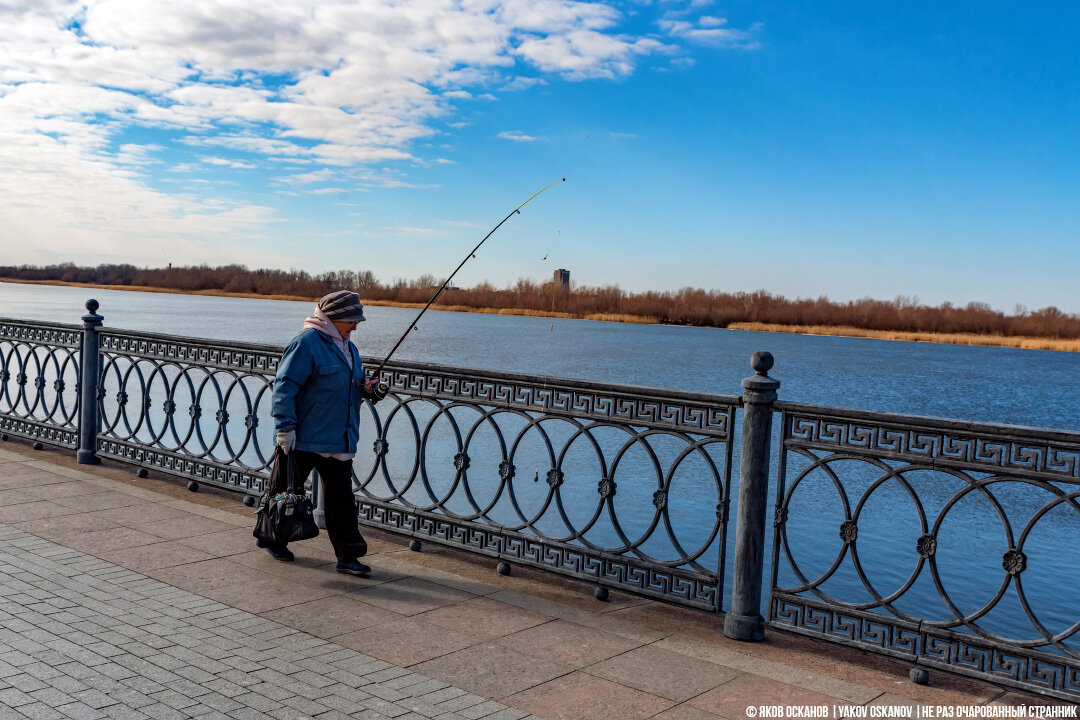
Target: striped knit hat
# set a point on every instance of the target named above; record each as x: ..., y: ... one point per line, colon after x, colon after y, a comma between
x: 342, y: 306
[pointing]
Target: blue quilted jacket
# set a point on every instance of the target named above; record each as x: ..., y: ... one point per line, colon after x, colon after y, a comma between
x: 317, y: 394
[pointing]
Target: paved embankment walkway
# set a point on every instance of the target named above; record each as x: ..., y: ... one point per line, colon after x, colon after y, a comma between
x: 128, y: 598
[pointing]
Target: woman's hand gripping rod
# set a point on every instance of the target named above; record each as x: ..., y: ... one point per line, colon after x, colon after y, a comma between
x: 382, y: 388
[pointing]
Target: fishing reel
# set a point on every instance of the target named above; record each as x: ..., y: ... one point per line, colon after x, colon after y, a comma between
x: 380, y: 389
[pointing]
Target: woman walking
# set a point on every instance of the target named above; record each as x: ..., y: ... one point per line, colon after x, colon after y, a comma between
x: 319, y: 389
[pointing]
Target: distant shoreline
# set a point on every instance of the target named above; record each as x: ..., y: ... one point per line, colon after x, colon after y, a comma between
x: 608, y: 317
x: 973, y: 339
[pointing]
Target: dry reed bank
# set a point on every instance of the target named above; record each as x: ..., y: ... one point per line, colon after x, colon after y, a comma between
x: 899, y: 319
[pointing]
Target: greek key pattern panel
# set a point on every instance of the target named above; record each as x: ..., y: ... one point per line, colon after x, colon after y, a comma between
x: 40, y: 334
x: 1030, y: 670
x: 29, y: 430
x: 229, y: 477
x: 623, y: 573
x: 892, y: 437
x: 638, y: 407
x: 190, y: 351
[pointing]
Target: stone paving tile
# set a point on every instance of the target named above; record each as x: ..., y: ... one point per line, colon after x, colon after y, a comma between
x: 580, y: 696
x: 484, y: 618
x: 265, y: 594
x: 845, y: 690
x: 567, y: 644
x: 585, y: 618
x: 411, y: 596
x: 396, y: 562
x: 40, y: 475
x: 686, y: 712
x: 203, y: 572
x: 31, y: 511
x: 491, y: 670
x: 98, y: 500
x: 731, y: 699
x: 61, y: 490
x: 187, y: 525
x: 405, y: 642
x: 152, y: 557
x: 661, y: 672
x: 147, y: 512
x: 220, y: 544
x: 115, y: 538
x: 332, y: 616
x: 38, y: 711
x: 83, y: 638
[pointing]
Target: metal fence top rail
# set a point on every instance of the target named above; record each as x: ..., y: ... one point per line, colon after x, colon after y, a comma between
x: 60, y: 334
x: 191, y: 341
x: 1001, y: 431
x: 39, y: 323
x: 640, y: 393
x: 1012, y: 450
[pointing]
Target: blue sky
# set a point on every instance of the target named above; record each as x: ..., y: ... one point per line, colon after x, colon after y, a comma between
x: 805, y: 148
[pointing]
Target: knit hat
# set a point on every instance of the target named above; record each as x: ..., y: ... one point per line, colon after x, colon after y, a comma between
x: 342, y: 306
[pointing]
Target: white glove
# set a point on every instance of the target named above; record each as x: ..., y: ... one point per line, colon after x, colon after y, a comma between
x: 286, y: 440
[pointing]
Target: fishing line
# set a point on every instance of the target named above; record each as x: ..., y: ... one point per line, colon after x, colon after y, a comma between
x: 469, y: 256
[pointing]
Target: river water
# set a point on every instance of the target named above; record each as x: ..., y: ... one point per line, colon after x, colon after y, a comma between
x: 1039, y: 388
x: 1002, y: 385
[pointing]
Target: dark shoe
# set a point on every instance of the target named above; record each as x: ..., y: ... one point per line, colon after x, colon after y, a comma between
x: 353, y: 567
x: 280, y: 553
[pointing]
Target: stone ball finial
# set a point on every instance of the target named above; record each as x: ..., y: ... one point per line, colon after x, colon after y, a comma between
x: 92, y: 306
x: 762, y: 362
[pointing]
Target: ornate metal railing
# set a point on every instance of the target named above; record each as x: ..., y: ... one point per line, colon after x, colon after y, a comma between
x: 195, y: 408
x: 39, y: 376
x: 888, y: 529
x: 599, y: 482
x: 885, y: 526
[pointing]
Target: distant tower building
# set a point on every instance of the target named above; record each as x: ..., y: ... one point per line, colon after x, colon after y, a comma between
x: 562, y: 280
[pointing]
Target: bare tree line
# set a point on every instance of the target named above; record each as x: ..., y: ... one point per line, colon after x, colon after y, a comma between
x: 688, y: 306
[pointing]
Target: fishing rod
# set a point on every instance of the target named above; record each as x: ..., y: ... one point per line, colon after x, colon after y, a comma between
x: 472, y: 254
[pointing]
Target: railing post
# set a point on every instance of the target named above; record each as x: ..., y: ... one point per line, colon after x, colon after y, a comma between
x: 89, y: 370
x: 744, y: 621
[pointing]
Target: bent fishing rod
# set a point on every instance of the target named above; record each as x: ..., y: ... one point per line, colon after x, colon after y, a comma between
x: 472, y: 254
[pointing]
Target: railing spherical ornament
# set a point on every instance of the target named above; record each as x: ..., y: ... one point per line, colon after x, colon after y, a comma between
x: 762, y: 361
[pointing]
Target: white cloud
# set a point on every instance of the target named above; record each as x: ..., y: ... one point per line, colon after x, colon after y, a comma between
x: 518, y: 136
x: 226, y: 162
x: 523, y: 83
x: 584, y: 54
x: 709, y: 30
x: 315, y: 176
x: 337, y: 84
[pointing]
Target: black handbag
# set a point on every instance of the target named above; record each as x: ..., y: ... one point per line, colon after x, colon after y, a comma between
x: 284, y: 516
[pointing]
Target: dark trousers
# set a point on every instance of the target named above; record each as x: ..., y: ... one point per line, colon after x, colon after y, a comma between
x: 338, y: 501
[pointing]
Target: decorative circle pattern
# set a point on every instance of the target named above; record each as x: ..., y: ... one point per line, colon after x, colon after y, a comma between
x: 39, y: 373
x: 946, y: 471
